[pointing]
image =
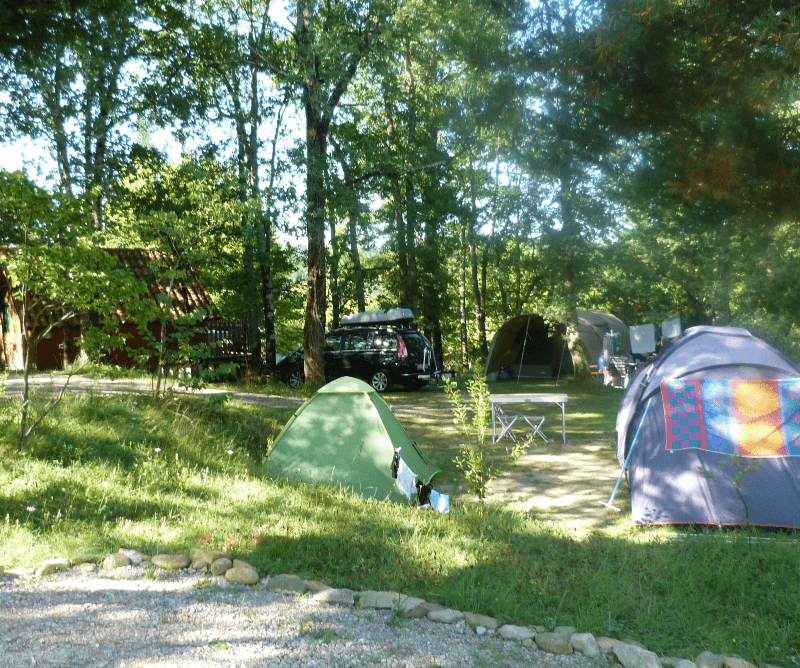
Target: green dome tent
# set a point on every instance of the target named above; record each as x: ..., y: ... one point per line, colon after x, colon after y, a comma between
x: 347, y: 434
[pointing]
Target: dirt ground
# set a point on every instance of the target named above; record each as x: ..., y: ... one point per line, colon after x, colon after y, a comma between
x: 566, y: 483
x: 561, y: 482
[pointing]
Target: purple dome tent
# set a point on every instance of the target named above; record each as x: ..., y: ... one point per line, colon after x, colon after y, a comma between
x: 703, y: 459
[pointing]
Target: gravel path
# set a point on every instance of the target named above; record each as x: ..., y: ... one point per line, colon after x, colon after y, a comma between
x: 78, y: 619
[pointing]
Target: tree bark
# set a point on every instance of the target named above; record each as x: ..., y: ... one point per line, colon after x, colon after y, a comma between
x: 462, y: 299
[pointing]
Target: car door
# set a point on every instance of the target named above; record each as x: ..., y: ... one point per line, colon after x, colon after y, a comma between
x: 333, y: 354
x: 356, y: 353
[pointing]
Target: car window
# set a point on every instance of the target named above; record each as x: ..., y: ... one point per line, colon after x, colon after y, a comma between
x: 384, y: 341
x: 333, y: 342
x: 415, y: 344
x: 358, y: 340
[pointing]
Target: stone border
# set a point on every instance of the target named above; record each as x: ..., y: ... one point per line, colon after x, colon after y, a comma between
x: 563, y: 640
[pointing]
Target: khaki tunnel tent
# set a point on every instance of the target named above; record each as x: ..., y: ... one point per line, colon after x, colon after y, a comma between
x: 720, y: 441
x: 527, y: 347
x: 346, y: 434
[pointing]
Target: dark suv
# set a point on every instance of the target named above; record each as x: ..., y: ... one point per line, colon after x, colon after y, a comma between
x: 380, y: 354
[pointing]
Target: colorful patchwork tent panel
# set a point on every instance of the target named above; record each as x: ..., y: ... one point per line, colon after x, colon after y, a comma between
x: 346, y: 434
x: 749, y: 418
x: 720, y: 442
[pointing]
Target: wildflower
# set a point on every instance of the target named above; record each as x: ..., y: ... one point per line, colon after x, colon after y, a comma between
x: 31, y: 509
x: 157, y: 449
x: 230, y: 452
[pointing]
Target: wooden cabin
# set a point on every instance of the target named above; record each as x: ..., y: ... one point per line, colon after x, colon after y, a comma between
x: 51, y: 350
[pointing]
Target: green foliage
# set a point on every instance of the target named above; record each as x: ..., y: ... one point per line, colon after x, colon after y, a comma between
x: 738, y: 471
x: 475, y: 459
x: 56, y: 269
x: 188, y: 213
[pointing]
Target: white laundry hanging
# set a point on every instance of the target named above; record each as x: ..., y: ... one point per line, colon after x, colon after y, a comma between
x: 406, y: 479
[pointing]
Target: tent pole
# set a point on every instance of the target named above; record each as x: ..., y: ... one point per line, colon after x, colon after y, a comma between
x: 561, y: 359
x: 524, y: 343
x: 627, y: 459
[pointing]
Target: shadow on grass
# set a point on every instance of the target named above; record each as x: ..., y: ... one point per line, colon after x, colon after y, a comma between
x: 676, y: 597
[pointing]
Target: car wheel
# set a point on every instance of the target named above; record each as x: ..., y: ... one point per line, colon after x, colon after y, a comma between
x: 381, y: 381
x: 294, y: 378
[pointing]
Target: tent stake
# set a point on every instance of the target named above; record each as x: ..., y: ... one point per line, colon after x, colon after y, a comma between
x: 627, y: 459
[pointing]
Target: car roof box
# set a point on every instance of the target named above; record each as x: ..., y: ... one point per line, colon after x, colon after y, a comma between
x: 391, y: 316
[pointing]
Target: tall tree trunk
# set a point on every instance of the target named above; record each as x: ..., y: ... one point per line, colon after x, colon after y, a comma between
x: 479, y: 305
x: 411, y: 277
x: 265, y: 252
x: 253, y: 284
x: 570, y: 233
x: 355, y: 256
x: 333, y: 277
x: 462, y: 298
x: 320, y: 99
x: 432, y: 304
x: 247, y: 180
x: 314, y: 327
x: 53, y: 99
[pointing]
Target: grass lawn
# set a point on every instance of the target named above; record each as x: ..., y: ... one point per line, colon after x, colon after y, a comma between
x: 166, y: 475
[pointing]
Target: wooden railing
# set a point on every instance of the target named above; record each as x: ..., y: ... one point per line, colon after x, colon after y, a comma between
x: 229, y: 337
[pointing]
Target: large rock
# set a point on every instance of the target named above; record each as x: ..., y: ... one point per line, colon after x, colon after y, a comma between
x: 631, y: 656
x: 330, y: 596
x: 412, y: 607
x: 209, y: 556
x: 676, y: 662
x: 474, y: 621
x: 287, y: 584
x: 171, y: 562
x: 512, y: 632
x: 733, y: 661
x: 242, y: 575
x: 221, y: 565
x: 555, y: 642
x: 135, y: 557
x: 586, y: 644
x: 379, y: 600
x: 446, y: 616
x: 708, y: 660
x: 316, y: 585
x: 52, y: 566
x: 608, y: 644
x: 114, y: 561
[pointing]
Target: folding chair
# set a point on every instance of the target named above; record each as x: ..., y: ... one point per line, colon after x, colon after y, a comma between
x: 506, y: 422
x: 535, y: 422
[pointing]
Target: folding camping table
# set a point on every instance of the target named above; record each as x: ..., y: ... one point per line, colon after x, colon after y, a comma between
x: 506, y: 418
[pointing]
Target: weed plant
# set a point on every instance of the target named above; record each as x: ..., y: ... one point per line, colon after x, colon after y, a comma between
x: 167, y: 475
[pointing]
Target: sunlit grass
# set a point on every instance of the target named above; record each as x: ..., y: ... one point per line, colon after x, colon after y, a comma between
x: 171, y: 474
